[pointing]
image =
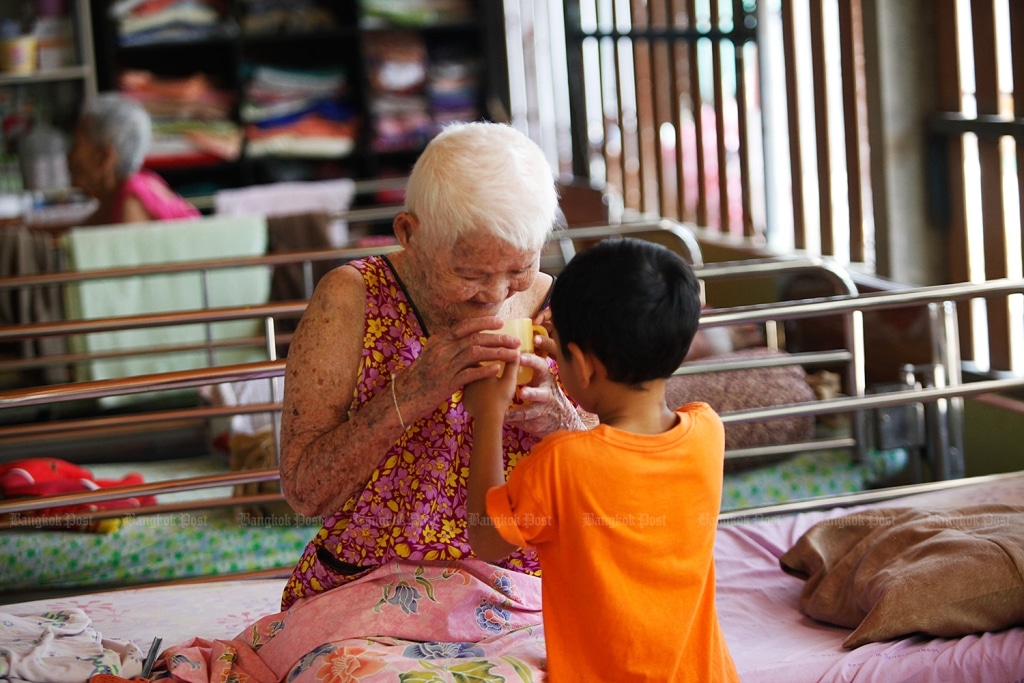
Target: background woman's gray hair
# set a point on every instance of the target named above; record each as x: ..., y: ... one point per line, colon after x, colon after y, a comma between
x: 115, y: 120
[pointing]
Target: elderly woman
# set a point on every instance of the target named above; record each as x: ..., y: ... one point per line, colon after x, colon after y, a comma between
x: 105, y: 162
x: 374, y: 436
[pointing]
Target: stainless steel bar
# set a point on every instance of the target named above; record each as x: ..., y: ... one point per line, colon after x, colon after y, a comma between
x: 782, y: 265
x: 802, y: 359
x: 686, y: 235
x: 88, y: 325
x: 850, y: 499
x: 51, y: 428
x: 152, y: 489
x: 881, y: 400
x: 284, y: 258
x: 340, y: 255
x: 864, y: 302
x: 39, y: 521
x: 182, y: 379
x: 740, y: 454
x: 81, y: 358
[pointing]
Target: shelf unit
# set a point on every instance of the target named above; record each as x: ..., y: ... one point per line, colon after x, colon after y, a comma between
x: 349, y: 44
x: 81, y: 74
x: 50, y: 95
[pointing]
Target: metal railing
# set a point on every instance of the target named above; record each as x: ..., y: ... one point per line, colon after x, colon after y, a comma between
x: 952, y: 390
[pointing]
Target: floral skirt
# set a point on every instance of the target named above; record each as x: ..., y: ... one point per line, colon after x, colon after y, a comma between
x: 436, y: 622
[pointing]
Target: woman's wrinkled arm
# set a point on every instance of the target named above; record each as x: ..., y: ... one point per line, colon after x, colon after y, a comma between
x: 327, y: 453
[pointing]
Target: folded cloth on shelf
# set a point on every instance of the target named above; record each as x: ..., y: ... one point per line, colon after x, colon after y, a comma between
x: 891, y: 572
x: 61, y: 647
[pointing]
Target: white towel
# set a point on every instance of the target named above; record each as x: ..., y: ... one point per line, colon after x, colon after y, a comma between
x: 331, y: 197
x: 61, y: 647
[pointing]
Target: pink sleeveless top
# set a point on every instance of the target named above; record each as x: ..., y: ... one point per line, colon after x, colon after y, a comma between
x: 414, y: 505
x: 159, y: 200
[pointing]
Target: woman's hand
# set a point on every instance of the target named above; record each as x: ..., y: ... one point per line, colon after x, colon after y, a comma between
x: 450, y: 360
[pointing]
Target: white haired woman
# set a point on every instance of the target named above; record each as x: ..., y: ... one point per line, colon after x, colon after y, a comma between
x: 105, y: 161
x: 374, y: 436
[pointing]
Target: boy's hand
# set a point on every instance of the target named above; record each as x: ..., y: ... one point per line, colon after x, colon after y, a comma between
x: 492, y: 395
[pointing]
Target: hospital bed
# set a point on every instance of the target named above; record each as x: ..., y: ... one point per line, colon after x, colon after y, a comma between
x: 770, y: 638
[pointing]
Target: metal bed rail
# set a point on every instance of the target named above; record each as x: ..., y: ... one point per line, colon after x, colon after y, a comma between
x: 562, y: 242
x: 951, y: 390
x: 829, y: 271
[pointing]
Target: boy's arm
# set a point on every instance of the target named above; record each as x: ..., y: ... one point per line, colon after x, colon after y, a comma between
x: 486, y: 400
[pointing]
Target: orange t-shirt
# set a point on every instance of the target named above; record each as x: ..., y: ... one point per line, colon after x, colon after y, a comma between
x: 624, y: 526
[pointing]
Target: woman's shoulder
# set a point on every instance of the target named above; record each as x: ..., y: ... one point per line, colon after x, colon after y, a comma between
x: 340, y: 281
x: 147, y: 195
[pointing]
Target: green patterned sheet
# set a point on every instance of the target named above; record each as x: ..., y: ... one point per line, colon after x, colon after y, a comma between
x: 216, y: 542
x: 809, y: 475
x: 152, y: 548
x: 149, y: 548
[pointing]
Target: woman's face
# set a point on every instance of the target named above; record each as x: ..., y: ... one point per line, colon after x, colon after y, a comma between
x: 89, y: 165
x: 477, y: 276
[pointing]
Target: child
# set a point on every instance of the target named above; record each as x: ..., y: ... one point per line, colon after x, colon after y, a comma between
x: 623, y: 516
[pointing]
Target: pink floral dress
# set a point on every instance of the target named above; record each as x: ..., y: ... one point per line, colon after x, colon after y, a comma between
x: 414, y: 505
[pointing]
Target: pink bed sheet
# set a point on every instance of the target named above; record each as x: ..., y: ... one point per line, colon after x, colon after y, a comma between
x: 769, y: 638
x: 771, y: 641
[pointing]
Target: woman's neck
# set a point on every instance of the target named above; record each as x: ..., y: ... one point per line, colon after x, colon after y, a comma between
x: 413, y: 277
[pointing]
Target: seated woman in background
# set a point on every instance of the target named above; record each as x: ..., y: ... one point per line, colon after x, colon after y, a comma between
x: 105, y: 162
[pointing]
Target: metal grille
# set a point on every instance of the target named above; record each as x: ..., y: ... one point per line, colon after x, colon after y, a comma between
x: 752, y: 119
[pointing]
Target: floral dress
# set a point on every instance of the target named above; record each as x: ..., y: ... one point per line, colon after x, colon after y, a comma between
x: 413, y: 507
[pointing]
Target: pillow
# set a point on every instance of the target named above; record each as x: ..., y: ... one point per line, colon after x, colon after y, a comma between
x: 755, y: 388
x: 892, y: 572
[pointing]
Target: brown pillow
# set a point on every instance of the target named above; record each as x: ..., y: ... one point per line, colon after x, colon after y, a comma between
x: 755, y: 388
x: 892, y: 572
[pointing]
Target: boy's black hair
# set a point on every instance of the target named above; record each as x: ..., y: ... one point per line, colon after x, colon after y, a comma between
x: 633, y: 304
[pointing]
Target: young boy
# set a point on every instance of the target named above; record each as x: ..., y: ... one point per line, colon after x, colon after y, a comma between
x: 623, y: 516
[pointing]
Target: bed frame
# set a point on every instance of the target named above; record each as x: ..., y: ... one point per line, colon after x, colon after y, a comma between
x: 930, y: 398
x: 933, y: 392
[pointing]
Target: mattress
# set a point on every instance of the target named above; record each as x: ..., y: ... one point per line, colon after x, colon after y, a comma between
x: 772, y: 641
x: 769, y: 638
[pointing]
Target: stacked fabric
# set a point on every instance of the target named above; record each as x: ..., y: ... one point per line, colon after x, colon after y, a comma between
x: 397, y: 66
x: 268, y: 17
x: 416, y: 12
x: 453, y: 89
x: 298, y: 112
x: 143, y: 22
x: 191, y: 117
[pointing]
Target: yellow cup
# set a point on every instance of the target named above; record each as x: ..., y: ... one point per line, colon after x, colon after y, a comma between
x: 525, y: 330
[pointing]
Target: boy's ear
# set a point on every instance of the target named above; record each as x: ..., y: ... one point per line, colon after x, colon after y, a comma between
x: 585, y: 364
